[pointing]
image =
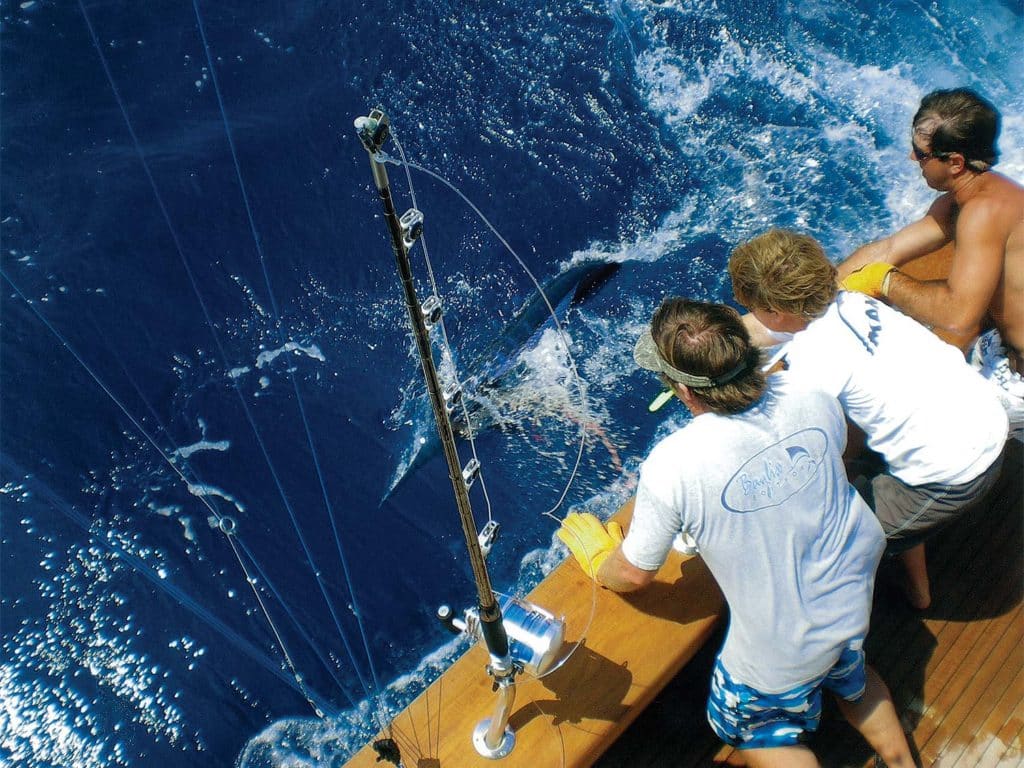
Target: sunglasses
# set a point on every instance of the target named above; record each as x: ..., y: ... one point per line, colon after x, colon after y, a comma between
x: 920, y: 155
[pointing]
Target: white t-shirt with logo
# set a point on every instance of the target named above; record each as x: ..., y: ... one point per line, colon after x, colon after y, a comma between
x: 922, y: 407
x: 792, y: 545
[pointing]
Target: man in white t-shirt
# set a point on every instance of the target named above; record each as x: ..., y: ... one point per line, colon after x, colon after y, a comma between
x: 935, y: 422
x: 757, y: 480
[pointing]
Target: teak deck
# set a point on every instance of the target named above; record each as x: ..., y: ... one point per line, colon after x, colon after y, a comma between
x: 956, y: 671
x: 634, y: 645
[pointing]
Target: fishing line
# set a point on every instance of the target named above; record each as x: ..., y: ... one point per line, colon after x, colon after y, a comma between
x: 298, y: 626
x: 410, y: 746
x: 563, y: 337
x: 221, y: 521
x: 376, y: 691
x: 560, y: 740
x: 224, y: 357
x: 178, y: 594
x: 470, y: 435
x: 231, y: 542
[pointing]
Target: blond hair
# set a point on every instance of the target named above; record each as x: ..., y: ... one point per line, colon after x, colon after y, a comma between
x: 783, y: 271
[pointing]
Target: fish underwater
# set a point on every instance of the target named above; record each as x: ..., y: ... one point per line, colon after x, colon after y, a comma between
x: 497, y: 393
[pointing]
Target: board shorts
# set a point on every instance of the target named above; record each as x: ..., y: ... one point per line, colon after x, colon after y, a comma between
x: 745, y: 718
x: 911, y: 513
x: 989, y: 357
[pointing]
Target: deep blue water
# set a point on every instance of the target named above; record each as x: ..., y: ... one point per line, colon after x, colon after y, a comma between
x: 651, y: 135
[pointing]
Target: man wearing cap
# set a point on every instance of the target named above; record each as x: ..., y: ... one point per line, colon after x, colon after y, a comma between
x: 757, y: 480
x: 981, y: 213
x: 934, y: 421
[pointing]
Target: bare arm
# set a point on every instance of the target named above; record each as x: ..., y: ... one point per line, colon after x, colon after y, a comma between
x: 923, y: 236
x: 620, y: 575
x: 959, y: 303
x: 760, y: 335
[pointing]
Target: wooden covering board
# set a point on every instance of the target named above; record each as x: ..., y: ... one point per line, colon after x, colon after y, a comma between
x: 956, y: 671
x: 633, y: 646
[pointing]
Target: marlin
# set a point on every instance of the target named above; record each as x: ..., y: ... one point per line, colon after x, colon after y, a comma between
x: 499, y: 367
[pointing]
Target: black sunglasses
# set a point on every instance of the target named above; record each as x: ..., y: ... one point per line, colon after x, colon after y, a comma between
x: 920, y: 155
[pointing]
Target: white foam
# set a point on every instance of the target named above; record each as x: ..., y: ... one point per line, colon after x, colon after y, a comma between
x: 41, y: 725
x: 203, y: 489
x: 312, y: 742
x: 202, y: 445
x: 310, y: 350
x: 649, y: 247
x: 87, y: 632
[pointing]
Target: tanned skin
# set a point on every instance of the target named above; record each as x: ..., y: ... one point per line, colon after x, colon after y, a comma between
x: 982, y: 214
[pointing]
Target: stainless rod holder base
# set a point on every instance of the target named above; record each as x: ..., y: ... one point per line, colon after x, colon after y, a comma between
x: 505, y: 745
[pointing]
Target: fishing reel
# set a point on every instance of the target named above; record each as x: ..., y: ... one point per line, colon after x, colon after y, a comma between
x: 534, y: 643
x: 534, y: 635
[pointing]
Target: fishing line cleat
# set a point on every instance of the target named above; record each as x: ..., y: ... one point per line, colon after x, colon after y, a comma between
x: 452, y: 397
x: 470, y: 472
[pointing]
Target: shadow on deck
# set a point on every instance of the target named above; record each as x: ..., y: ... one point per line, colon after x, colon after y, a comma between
x: 956, y: 671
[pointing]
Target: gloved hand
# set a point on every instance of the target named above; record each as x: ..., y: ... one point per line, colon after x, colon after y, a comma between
x: 870, y: 279
x: 589, y: 541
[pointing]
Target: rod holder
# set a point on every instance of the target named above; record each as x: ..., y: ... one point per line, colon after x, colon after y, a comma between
x: 492, y: 737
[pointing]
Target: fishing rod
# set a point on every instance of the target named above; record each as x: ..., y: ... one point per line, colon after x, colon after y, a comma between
x: 536, y: 634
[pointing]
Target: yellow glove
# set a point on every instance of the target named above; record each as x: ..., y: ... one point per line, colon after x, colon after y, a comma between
x: 872, y: 279
x: 589, y: 541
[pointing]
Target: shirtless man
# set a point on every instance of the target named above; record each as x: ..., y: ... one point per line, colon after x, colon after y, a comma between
x: 982, y: 213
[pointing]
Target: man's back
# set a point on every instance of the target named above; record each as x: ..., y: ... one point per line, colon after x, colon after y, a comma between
x: 932, y: 418
x: 793, y: 547
x: 1004, y: 200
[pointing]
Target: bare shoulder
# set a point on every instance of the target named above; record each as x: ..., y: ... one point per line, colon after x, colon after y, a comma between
x: 997, y: 206
x: 1000, y: 193
x: 944, y: 209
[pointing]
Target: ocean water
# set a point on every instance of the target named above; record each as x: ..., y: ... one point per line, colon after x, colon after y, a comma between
x: 209, y: 392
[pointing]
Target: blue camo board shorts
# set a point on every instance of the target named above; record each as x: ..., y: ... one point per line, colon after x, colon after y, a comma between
x: 745, y: 718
